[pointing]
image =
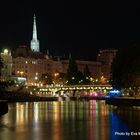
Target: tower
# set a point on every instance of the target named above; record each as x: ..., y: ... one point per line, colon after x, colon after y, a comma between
x: 106, y: 58
x: 34, y: 41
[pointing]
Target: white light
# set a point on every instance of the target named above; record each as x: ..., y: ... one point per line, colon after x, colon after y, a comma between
x: 36, y: 78
x: 5, y: 51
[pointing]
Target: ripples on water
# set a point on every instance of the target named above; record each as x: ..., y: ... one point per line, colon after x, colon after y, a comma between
x: 81, y: 120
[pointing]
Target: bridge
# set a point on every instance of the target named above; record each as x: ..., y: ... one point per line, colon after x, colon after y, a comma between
x: 53, y: 90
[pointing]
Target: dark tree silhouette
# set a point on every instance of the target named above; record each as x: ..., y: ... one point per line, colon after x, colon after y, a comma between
x: 73, y: 75
x: 86, y: 75
x: 126, y: 67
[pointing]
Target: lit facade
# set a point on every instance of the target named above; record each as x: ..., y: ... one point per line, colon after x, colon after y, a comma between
x: 6, y: 71
x: 32, y: 65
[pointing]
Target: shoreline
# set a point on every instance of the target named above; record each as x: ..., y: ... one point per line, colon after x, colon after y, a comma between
x: 3, y: 107
x: 40, y: 99
x: 123, y: 101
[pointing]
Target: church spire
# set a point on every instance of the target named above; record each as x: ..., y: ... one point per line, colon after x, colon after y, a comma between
x: 34, y: 41
x: 34, y: 29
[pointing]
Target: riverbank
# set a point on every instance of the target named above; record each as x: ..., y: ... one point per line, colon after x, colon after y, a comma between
x: 3, y: 107
x: 26, y: 97
x: 39, y: 99
x: 123, y: 101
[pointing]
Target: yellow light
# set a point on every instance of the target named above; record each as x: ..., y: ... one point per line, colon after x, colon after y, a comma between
x: 5, y: 51
x: 56, y: 74
x: 21, y: 72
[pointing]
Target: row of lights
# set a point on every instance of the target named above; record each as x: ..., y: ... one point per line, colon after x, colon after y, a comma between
x: 77, y: 88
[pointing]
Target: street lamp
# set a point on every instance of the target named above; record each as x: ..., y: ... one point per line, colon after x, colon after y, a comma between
x: 56, y: 74
x: 5, y: 51
x: 21, y: 73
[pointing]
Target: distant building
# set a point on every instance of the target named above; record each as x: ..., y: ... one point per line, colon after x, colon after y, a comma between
x: 6, y: 70
x: 106, y: 58
x: 31, y: 64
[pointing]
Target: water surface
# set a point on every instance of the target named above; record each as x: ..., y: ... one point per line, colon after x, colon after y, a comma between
x: 74, y: 120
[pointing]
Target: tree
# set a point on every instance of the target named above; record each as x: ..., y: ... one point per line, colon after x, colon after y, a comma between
x: 73, y: 75
x: 86, y: 75
x: 126, y: 67
x: 46, y: 79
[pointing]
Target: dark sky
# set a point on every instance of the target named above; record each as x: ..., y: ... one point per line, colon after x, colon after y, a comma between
x: 80, y: 28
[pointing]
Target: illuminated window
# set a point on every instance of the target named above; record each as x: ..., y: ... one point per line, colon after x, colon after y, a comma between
x: 34, y: 62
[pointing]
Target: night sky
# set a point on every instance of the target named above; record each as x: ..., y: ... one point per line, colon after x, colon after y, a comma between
x: 76, y: 27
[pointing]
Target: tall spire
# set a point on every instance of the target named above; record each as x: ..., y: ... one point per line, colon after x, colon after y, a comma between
x: 34, y: 41
x: 34, y: 29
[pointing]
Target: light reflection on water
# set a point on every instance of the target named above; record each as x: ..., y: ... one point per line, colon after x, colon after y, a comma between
x: 81, y: 120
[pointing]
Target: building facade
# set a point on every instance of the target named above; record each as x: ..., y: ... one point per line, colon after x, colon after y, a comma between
x: 6, y: 70
x: 32, y: 65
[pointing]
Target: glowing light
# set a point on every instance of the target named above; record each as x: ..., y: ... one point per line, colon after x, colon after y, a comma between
x: 96, y: 80
x: 93, y: 94
x: 36, y: 78
x: 114, y: 93
x: 56, y: 74
x: 34, y: 62
x: 5, y: 51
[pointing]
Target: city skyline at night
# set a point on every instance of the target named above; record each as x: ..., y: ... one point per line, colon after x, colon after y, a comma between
x: 69, y: 70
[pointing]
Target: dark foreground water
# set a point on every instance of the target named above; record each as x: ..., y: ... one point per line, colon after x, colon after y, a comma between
x: 81, y: 120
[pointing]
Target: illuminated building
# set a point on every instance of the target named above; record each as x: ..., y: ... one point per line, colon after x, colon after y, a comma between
x: 106, y: 58
x: 33, y: 65
x: 6, y: 70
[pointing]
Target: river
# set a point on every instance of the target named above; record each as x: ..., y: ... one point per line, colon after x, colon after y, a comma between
x: 73, y: 120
